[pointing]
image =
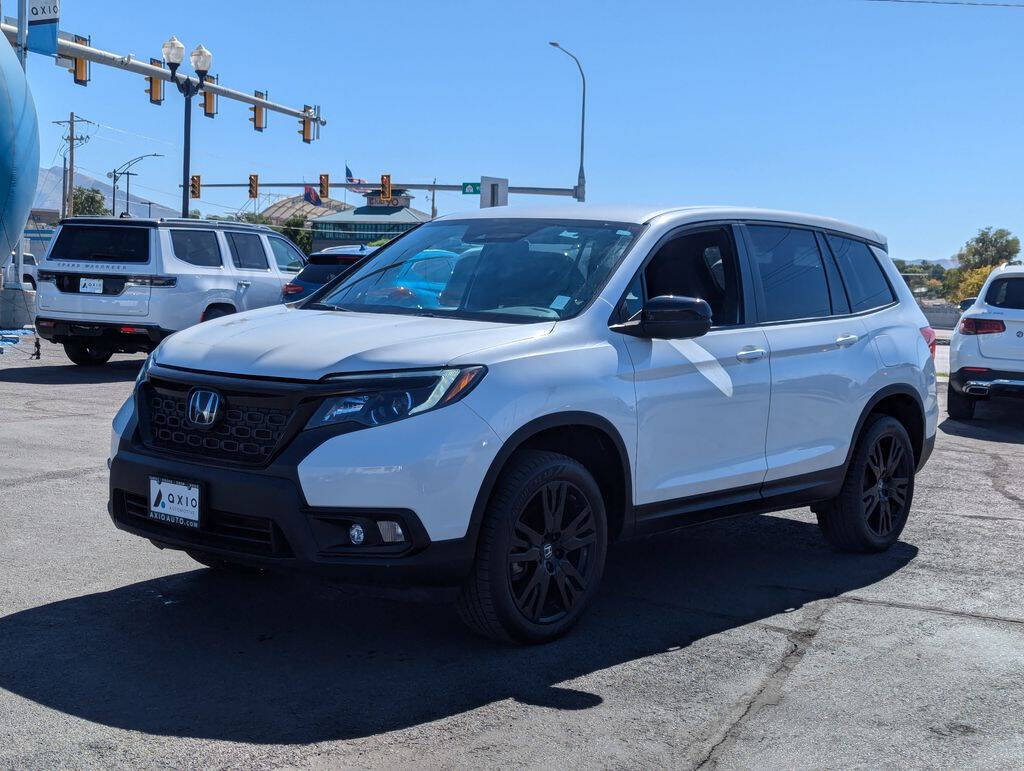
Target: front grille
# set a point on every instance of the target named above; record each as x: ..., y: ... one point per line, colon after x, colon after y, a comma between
x: 247, y: 433
x: 218, y: 529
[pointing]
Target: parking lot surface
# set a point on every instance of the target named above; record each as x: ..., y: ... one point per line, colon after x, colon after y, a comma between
x: 746, y: 643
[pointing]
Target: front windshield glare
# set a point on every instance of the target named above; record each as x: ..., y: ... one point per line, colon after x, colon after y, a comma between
x: 516, y: 270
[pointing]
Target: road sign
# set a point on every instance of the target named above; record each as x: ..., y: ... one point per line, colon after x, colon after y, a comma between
x: 471, y: 188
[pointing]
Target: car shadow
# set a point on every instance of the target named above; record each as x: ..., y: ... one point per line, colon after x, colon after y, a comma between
x: 284, y: 660
x: 117, y: 371
x: 995, y: 420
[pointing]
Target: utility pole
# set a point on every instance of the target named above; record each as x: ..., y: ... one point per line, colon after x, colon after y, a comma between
x: 433, y: 201
x: 72, y: 139
x: 64, y: 190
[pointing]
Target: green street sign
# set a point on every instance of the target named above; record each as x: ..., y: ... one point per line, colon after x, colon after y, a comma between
x: 471, y: 188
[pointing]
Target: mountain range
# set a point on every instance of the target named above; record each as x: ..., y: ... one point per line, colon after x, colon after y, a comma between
x: 48, y: 194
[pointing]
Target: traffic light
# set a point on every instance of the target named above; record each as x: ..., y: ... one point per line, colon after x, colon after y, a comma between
x: 259, y: 114
x: 385, y: 187
x: 254, y: 186
x: 325, y: 186
x: 80, y: 67
x: 306, y: 123
x: 155, y: 85
x: 209, y: 98
x: 195, y: 186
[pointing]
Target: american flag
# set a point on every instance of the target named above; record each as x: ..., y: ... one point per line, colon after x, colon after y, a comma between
x: 353, y: 180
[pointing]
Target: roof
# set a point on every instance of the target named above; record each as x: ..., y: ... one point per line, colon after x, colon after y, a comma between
x: 642, y: 214
x: 1012, y: 268
x: 154, y: 222
x: 296, y: 205
x: 371, y: 214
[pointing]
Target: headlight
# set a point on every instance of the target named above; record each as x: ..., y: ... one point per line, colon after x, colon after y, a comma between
x: 146, y: 366
x: 384, y: 398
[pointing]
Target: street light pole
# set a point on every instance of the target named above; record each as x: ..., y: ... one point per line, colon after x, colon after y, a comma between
x: 581, y: 182
x: 173, y: 53
x: 122, y: 171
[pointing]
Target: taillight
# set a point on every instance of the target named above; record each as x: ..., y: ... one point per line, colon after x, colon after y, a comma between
x: 291, y: 289
x: 400, y: 292
x: 929, y: 338
x: 971, y: 326
x: 150, y: 281
x: 45, y: 275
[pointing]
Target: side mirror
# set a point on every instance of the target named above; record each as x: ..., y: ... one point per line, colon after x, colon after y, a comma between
x: 670, y: 318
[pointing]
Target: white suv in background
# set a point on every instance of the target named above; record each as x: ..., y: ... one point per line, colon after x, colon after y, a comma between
x: 122, y: 285
x: 986, y: 353
x: 576, y: 376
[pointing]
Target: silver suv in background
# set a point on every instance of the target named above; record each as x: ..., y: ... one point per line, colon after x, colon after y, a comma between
x: 115, y: 285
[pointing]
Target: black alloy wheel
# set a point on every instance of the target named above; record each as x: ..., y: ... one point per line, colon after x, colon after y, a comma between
x: 553, y: 540
x: 885, y: 484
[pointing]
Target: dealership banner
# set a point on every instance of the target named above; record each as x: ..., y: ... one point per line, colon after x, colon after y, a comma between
x: 43, y: 17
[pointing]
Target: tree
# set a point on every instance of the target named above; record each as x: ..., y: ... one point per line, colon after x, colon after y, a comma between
x: 195, y: 214
x: 297, y: 230
x: 988, y: 249
x: 951, y: 283
x: 89, y: 201
x: 971, y: 282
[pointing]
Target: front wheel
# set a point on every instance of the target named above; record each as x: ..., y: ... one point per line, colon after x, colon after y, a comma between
x: 959, y: 406
x: 540, y: 552
x: 87, y: 355
x: 871, y: 510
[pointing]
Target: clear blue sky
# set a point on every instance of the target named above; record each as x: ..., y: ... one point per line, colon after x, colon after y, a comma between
x: 904, y: 118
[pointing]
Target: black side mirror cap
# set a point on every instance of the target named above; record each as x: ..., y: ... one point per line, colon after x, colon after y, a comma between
x: 670, y: 318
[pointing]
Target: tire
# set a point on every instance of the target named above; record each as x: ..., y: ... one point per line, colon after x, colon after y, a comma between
x: 540, y: 551
x: 216, y: 312
x: 959, y: 406
x: 217, y: 563
x: 866, y: 517
x: 87, y: 355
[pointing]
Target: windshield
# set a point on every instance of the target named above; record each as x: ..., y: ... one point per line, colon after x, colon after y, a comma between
x: 516, y: 270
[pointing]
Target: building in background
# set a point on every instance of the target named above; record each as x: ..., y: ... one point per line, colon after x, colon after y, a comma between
x: 368, y: 223
x: 283, y: 210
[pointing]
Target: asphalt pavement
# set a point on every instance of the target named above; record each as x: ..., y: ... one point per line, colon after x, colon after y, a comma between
x: 740, y: 644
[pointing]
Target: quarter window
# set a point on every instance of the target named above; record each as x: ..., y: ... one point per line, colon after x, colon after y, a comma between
x: 865, y: 283
x: 247, y: 251
x: 793, y: 277
x: 196, y: 247
x: 287, y: 258
x: 1006, y: 293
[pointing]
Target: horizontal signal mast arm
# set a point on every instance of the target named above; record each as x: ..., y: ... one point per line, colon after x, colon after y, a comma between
x: 72, y: 50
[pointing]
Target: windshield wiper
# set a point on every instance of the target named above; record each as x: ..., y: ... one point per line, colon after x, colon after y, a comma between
x: 322, y: 307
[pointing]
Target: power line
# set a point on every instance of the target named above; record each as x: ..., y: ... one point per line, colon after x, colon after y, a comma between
x: 969, y: 3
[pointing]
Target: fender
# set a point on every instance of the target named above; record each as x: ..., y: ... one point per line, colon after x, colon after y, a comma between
x: 531, y: 429
x: 901, y: 389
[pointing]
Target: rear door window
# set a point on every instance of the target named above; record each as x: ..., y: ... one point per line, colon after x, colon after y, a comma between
x: 792, y: 275
x: 247, y: 251
x: 321, y: 274
x: 865, y: 283
x: 1006, y: 293
x: 102, y: 243
x: 196, y: 247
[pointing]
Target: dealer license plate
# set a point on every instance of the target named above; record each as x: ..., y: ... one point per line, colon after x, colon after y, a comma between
x: 174, y: 502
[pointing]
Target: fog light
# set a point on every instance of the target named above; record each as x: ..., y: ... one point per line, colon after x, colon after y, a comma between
x: 390, y: 532
x: 356, y: 534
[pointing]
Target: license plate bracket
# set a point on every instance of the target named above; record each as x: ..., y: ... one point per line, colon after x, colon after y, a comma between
x: 90, y: 285
x: 175, y: 502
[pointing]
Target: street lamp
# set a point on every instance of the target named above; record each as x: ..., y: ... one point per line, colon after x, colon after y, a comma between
x: 201, y: 59
x: 581, y: 182
x: 122, y: 171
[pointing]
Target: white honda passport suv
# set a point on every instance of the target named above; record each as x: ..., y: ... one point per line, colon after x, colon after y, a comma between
x: 110, y: 285
x: 570, y: 378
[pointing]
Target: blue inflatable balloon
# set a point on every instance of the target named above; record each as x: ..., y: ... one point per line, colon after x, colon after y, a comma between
x: 19, y: 149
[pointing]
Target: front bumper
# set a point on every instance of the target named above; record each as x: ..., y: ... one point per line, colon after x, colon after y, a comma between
x: 987, y: 383
x: 259, y: 517
x: 127, y: 337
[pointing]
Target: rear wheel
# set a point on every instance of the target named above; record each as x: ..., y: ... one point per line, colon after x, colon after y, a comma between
x: 871, y: 510
x: 87, y: 355
x: 540, y: 552
x: 959, y: 406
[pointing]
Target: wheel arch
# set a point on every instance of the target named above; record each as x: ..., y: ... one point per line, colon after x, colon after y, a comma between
x: 561, y: 432
x: 226, y: 305
x: 902, y: 402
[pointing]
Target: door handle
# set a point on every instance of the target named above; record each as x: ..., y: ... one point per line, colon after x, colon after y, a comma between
x: 845, y: 341
x: 244, y: 284
x: 751, y: 354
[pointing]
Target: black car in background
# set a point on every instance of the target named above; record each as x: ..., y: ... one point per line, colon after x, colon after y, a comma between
x: 323, y: 266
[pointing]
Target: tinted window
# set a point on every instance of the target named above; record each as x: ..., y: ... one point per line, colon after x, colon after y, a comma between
x: 102, y: 243
x: 196, y: 247
x: 436, y: 270
x: 287, y: 257
x: 791, y: 273
x: 1006, y: 293
x: 320, y: 274
x: 247, y: 251
x: 698, y: 265
x: 865, y: 283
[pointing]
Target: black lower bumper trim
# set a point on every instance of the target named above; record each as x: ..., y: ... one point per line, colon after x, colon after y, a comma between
x: 259, y: 517
x: 108, y: 334
x: 989, y: 382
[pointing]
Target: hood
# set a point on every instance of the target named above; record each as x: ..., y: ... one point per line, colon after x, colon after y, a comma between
x: 308, y: 344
